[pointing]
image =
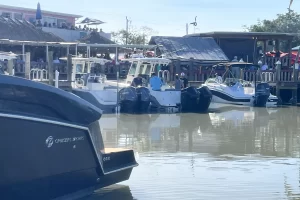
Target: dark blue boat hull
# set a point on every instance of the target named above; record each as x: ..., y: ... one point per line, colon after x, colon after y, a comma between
x: 51, y: 146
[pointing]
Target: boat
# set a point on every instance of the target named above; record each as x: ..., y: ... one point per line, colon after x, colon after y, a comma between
x: 90, y: 85
x: 231, y: 91
x: 168, y: 99
x: 249, y: 86
x: 52, y: 146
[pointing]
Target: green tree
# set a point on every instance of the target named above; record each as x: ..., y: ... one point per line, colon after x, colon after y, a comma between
x: 283, y: 23
x: 134, y: 35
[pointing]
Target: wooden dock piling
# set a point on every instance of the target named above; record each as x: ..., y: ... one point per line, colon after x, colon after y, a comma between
x: 27, y: 65
x: 10, y: 66
x: 50, y: 67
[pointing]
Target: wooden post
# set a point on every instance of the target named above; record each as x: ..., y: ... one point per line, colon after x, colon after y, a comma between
x: 10, y: 66
x: 294, y: 99
x: 264, y: 52
x: 178, y: 67
x: 27, y: 65
x: 50, y: 67
x: 278, y: 72
x: 290, y: 54
x: 69, y: 68
x: 254, y: 52
x: 191, y: 67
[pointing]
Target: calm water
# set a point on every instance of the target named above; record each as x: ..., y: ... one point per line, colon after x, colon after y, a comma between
x: 230, y: 153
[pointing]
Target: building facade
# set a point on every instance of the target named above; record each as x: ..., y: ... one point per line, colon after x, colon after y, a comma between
x: 60, y: 24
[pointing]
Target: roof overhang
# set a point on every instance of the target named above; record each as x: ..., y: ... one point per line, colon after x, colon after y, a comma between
x: 246, y: 35
x: 68, y: 44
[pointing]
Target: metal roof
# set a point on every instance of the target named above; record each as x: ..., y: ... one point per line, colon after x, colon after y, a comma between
x: 14, y: 29
x: 204, y: 49
x: 258, y: 35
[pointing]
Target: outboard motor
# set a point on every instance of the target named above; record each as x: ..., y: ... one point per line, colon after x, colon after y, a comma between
x: 189, y: 98
x: 205, y: 97
x: 128, y: 99
x: 262, y: 94
x: 143, y: 99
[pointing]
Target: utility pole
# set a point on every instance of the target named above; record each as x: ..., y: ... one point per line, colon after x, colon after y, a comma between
x: 127, y: 29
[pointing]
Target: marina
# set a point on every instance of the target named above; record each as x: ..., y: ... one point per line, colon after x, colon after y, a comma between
x: 88, y: 114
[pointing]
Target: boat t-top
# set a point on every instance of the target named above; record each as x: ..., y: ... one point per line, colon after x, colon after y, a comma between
x: 92, y: 86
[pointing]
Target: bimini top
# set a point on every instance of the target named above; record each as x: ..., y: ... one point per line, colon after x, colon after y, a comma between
x: 7, y: 55
x: 153, y: 60
x: 22, y: 96
x: 101, y: 61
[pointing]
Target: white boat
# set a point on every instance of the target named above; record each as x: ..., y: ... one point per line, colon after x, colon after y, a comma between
x: 92, y: 87
x: 167, y: 99
x: 231, y: 91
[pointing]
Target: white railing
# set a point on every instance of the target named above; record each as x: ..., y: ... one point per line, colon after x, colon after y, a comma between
x: 268, y: 76
x: 39, y: 74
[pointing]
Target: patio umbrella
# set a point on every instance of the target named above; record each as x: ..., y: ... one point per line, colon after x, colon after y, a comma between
x: 38, y: 15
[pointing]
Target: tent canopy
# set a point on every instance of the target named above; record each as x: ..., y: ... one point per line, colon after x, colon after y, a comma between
x: 90, y: 21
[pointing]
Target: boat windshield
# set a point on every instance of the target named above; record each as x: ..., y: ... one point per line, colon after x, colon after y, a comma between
x: 132, y: 68
x: 145, y: 69
x: 231, y: 81
x: 211, y: 80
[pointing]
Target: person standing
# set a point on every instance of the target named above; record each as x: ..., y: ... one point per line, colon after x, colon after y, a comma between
x: 137, y: 81
x: 178, y: 83
x: 155, y: 82
x: 184, y: 80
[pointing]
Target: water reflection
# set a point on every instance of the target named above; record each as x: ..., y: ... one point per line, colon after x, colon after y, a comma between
x: 229, y: 152
x: 226, y: 130
x: 113, y: 192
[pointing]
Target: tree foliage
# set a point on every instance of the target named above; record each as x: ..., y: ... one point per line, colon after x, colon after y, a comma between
x: 283, y: 23
x: 134, y: 35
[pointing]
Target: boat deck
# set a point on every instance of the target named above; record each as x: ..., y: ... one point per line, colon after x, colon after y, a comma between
x: 112, y: 150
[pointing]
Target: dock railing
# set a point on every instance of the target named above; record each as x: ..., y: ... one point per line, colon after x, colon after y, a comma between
x: 271, y: 76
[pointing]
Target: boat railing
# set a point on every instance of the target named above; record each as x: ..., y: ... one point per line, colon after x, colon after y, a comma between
x: 39, y: 74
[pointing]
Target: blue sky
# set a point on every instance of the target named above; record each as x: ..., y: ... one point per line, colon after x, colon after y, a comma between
x: 168, y: 17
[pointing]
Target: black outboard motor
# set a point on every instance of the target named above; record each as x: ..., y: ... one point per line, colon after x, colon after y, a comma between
x: 205, y: 97
x: 189, y: 99
x: 143, y: 99
x: 128, y: 99
x: 262, y: 94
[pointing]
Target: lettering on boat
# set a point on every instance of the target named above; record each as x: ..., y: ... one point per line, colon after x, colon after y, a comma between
x: 106, y: 158
x: 50, y: 140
